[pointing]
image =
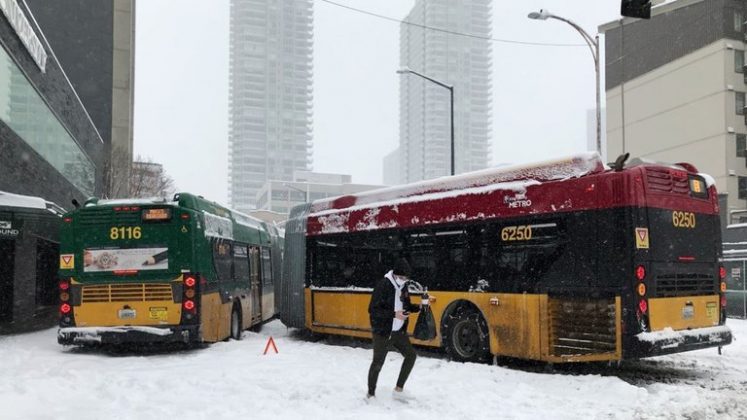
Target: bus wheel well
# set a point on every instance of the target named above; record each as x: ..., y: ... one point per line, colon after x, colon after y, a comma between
x: 464, y: 331
x: 456, y: 306
x: 236, y: 326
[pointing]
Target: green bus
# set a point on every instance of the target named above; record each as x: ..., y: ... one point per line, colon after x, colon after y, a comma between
x: 152, y: 270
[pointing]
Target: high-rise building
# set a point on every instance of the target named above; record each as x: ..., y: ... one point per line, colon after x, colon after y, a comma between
x: 270, y: 95
x: 676, y: 88
x: 461, y: 61
x: 94, y: 41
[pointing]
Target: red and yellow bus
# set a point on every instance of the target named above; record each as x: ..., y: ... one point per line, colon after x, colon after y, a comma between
x: 146, y: 271
x: 563, y: 261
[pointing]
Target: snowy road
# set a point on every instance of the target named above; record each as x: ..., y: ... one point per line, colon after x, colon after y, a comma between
x: 42, y: 380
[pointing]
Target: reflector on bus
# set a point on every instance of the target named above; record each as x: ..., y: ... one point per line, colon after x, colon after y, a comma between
x: 698, y: 187
x: 157, y: 214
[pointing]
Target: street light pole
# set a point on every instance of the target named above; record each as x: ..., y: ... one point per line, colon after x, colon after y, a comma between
x: 593, y: 44
x: 451, y: 99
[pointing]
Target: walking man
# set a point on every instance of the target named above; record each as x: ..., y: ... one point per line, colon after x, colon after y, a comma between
x: 390, y: 305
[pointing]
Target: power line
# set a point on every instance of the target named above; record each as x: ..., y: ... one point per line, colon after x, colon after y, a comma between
x: 506, y: 41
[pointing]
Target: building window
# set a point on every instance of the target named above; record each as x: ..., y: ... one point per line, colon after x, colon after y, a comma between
x: 26, y: 113
x: 742, y: 187
x: 739, y: 61
x: 738, y: 21
x: 739, y: 102
x: 741, y: 145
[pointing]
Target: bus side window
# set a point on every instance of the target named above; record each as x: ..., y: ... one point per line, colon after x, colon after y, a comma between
x: 266, y: 266
x: 241, y: 264
x: 222, y: 260
x: 254, y: 264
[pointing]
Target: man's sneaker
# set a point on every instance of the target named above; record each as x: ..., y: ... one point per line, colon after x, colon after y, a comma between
x: 402, y: 396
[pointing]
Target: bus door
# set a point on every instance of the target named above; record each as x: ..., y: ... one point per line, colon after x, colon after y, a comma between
x: 7, y: 257
x: 255, y: 284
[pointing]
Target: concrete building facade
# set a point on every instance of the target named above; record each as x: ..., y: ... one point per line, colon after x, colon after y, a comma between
x: 95, y: 43
x: 675, y: 88
x: 281, y: 196
x: 465, y: 63
x: 270, y: 94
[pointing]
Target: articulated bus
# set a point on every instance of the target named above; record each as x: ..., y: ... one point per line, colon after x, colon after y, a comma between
x: 563, y: 261
x: 146, y: 271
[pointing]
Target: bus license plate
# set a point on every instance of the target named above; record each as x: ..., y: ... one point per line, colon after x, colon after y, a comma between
x: 711, y: 310
x: 159, y: 313
x: 126, y: 314
x: 688, y: 312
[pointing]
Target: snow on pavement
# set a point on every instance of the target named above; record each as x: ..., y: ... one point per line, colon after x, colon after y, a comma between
x: 41, y: 380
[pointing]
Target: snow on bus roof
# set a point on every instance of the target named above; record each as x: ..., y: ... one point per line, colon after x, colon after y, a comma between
x: 246, y: 220
x: 25, y: 201
x: 516, y: 186
x: 130, y: 201
x: 30, y: 202
x: 550, y: 170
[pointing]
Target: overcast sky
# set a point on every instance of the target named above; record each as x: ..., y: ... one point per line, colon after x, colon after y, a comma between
x: 541, y: 95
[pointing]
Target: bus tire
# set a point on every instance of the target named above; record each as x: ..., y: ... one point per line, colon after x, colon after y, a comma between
x: 236, y: 327
x: 466, y: 335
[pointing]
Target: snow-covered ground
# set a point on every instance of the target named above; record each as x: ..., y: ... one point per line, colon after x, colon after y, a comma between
x: 40, y: 379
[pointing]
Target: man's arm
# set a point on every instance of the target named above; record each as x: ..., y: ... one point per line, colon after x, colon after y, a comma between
x: 378, y: 306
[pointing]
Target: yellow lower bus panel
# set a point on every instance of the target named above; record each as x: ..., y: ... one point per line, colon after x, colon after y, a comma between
x: 527, y: 326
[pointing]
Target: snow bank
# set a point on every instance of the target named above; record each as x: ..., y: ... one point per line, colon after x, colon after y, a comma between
x: 317, y: 380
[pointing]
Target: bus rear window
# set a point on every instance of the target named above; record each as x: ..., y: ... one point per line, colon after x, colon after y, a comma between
x: 114, y: 259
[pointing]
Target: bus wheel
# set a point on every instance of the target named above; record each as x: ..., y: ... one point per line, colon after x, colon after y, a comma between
x: 236, y: 323
x: 466, y: 337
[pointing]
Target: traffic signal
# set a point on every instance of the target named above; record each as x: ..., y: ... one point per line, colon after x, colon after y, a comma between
x: 636, y: 8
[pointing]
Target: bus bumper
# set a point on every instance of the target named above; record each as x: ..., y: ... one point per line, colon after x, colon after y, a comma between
x: 126, y: 335
x: 667, y: 341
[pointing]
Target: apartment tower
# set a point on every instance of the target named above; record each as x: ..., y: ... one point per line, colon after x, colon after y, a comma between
x: 270, y: 94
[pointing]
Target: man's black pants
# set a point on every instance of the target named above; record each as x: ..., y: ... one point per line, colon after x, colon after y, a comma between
x: 399, y: 341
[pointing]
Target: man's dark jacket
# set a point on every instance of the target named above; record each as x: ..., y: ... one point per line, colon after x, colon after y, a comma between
x: 381, y: 308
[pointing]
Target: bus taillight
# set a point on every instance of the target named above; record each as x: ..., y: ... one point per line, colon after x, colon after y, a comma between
x: 723, y: 301
x: 65, y: 308
x: 189, y: 296
x: 640, y: 273
x: 721, y: 273
x: 64, y: 285
x: 643, y: 306
x: 641, y: 289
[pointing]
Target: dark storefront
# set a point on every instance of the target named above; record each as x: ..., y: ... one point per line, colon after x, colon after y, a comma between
x: 29, y: 256
x: 735, y: 262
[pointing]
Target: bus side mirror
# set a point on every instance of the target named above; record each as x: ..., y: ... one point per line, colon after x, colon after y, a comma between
x: 636, y: 8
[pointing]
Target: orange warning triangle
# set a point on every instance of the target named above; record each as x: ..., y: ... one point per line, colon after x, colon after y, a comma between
x: 270, y: 342
x: 66, y: 258
x: 642, y: 233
